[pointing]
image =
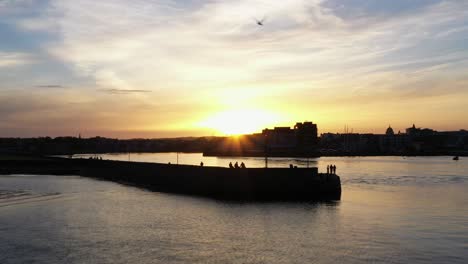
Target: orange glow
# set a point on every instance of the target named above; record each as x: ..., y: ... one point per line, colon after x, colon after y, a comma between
x: 237, y: 122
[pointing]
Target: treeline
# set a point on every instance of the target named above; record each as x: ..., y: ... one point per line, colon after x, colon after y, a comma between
x: 440, y: 143
x: 75, y: 145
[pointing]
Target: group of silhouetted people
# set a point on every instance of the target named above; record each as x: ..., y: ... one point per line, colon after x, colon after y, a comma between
x: 331, y: 169
x: 236, y: 165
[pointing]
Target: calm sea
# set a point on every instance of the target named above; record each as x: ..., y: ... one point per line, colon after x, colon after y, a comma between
x: 393, y: 210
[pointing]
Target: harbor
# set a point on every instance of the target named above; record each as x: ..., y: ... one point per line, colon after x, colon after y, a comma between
x: 407, y: 210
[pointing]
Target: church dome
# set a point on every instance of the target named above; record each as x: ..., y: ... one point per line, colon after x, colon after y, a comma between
x: 389, y: 131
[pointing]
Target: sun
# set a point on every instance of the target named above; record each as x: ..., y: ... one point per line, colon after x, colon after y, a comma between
x: 238, y: 122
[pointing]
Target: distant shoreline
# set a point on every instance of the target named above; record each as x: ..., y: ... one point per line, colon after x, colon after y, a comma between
x: 275, y: 156
x: 344, y: 155
x: 28, y: 156
x: 352, y: 145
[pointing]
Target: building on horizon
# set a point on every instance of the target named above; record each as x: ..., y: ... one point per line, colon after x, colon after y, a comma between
x: 414, y: 131
x: 302, y: 138
x: 416, y: 141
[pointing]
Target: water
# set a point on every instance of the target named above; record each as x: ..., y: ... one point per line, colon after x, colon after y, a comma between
x: 393, y: 210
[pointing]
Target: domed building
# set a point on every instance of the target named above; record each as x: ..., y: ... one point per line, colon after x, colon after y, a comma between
x: 389, y: 131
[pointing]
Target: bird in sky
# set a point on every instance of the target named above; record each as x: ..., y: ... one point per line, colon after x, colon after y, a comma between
x: 260, y: 22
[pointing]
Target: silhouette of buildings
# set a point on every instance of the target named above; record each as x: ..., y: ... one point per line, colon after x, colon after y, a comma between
x: 416, y: 141
x: 306, y: 136
x: 280, y: 138
x: 301, y: 140
x: 413, y: 131
x: 389, y: 131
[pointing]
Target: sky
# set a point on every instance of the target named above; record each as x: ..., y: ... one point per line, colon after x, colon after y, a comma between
x: 171, y: 68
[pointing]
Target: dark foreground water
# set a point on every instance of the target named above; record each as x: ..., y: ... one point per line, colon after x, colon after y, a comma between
x: 393, y: 210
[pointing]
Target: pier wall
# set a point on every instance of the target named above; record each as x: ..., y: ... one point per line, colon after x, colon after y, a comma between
x: 223, y: 183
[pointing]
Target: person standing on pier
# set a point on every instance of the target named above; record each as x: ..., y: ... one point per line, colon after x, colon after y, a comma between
x: 334, y: 169
x: 328, y: 169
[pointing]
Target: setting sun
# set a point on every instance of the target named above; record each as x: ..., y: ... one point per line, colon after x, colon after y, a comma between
x: 236, y: 122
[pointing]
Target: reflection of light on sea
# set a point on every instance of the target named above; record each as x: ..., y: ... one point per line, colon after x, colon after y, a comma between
x: 416, y: 219
x: 364, y: 171
x: 196, y: 158
x: 16, y: 197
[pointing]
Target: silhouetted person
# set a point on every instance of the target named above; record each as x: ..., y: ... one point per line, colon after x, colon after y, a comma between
x: 334, y: 169
x: 236, y: 165
x: 291, y: 166
x: 242, y: 165
x: 328, y: 169
x: 201, y: 164
x: 230, y: 165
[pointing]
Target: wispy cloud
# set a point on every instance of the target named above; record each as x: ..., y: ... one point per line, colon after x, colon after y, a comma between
x: 212, y: 44
x: 9, y: 59
x: 210, y: 55
x: 53, y: 86
x: 120, y: 91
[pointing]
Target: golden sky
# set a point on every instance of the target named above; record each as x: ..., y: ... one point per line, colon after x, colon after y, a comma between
x: 189, y: 68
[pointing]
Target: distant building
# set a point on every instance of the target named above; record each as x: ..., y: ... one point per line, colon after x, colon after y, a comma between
x: 280, y: 138
x: 413, y: 131
x: 306, y: 135
x: 302, y: 138
x: 392, y: 143
x: 389, y: 131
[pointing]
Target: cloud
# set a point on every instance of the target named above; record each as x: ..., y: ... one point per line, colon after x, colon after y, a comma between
x: 10, y: 59
x: 50, y: 86
x: 352, y: 9
x: 9, y: 5
x: 119, y: 91
x: 146, y: 44
x: 211, y: 44
x: 205, y: 56
x: 69, y: 111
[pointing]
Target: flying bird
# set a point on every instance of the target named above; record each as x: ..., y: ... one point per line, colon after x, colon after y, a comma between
x: 260, y: 22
